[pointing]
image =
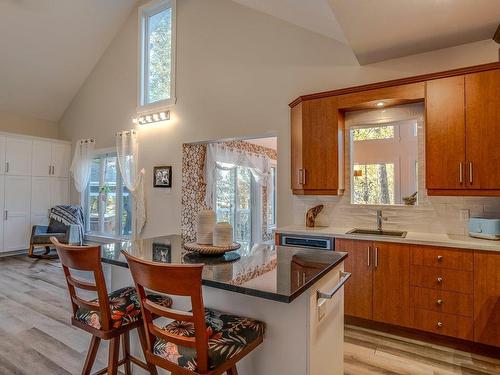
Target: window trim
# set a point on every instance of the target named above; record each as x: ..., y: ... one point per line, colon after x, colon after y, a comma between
x: 144, y: 12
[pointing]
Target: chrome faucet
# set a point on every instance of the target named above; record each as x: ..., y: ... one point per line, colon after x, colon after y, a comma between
x: 379, y: 220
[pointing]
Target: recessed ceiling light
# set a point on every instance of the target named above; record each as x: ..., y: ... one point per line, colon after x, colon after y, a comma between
x: 380, y: 104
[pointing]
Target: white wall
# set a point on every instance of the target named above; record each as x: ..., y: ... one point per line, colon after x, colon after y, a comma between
x: 237, y: 70
x: 23, y: 124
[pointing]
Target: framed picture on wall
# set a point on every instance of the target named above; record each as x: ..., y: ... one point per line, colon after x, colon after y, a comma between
x: 162, y: 253
x: 162, y: 177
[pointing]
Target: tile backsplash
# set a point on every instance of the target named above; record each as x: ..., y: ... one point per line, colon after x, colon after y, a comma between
x: 434, y: 215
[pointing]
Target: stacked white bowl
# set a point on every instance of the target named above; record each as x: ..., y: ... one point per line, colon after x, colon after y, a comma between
x: 205, y: 227
x: 223, y: 234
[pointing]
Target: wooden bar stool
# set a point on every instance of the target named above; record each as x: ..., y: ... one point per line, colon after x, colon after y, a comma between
x: 202, y: 341
x: 109, y: 316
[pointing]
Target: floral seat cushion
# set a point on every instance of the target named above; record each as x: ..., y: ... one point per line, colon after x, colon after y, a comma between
x: 227, y: 336
x: 125, y: 308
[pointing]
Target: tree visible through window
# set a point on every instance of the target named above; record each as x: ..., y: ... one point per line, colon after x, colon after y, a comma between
x: 157, y: 35
x: 373, y: 183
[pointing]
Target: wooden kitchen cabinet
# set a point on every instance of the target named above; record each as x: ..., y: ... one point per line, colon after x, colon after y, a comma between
x: 487, y: 298
x: 463, y: 134
x: 391, y: 283
x: 482, y: 119
x: 317, y: 147
x: 445, y: 133
x: 358, y: 291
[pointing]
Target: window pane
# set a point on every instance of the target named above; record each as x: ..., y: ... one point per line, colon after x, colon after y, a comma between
x: 93, y: 196
x: 373, y: 183
x: 271, y: 204
x: 126, y: 219
x: 377, y: 132
x: 108, y: 195
x: 159, y: 35
x: 243, y: 220
x: 225, y: 195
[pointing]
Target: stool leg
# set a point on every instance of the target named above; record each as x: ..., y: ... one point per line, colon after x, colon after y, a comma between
x: 142, y: 339
x: 232, y: 371
x: 114, y: 350
x: 89, y: 361
x: 126, y: 352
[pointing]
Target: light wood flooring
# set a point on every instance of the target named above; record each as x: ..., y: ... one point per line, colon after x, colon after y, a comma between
x: 37, y: 338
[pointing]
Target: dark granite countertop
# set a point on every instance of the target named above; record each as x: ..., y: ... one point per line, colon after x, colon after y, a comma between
x: 263, y: 270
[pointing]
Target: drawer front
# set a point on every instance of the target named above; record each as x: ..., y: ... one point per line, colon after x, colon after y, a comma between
x: 441, y: 301
x: 441, y: 257
x: 441, y: 279
x: 444, y: 324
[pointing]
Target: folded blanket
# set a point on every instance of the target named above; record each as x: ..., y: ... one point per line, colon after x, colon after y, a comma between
x: 69, y: 214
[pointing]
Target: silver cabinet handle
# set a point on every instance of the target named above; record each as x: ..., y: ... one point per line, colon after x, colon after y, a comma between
x: 439, y: 301
x: 439, y: 324
x: 6, y: 215
x: 439, y: 280
x: 304, y: 174
x: 53, y: 170
x: 376, y: 257
x: 344, y: 276
x: 461, y: 172
x: 368, y: 252
x: 300, y: 176
x: 470, y: 173
x: 303, y: 278
x: 6, y: 167
x: 298, y: 279
x: 439, y: 258
x: 50, y: 170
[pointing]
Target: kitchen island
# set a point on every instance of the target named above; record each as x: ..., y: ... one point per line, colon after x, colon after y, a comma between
x: 288, y: 288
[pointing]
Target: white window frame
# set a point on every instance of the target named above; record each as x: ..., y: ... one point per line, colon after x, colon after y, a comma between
x: 84, y: 200
x: 145, y: 12
x: 272, y: 226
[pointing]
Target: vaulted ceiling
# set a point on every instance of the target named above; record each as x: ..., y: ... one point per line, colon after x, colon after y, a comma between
x: 49, y: 47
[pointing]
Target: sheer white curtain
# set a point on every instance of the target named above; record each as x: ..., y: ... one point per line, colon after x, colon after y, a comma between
x: 82, y: 161
x: 127, y: 150
x: 260, y: 167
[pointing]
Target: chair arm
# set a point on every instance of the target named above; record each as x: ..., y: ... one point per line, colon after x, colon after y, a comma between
x: 39, y: 229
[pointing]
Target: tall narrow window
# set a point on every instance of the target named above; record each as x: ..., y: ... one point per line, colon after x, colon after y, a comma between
x: 157, y: 68
x: 108, y: 203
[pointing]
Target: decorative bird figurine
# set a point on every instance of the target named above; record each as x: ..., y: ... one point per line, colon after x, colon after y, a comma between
x: 311, y: 215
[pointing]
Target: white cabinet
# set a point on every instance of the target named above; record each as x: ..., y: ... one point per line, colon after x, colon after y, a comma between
x: 18, y: 156
x: 61, y: 159
x: 17, y: 219
x: 60, y: 191
x: 50, y: 158
x: 41, y: 161
x: 2, y: 158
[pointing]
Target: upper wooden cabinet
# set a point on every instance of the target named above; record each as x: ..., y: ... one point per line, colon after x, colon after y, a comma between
x: 317, y: 140
x: 482, y: 129
x: 463, y: 134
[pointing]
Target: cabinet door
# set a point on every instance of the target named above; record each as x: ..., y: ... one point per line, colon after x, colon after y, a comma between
x: 320, y: 144
x: 358, y: 297
x: 482, y: 119
x: 445, y: 133
x: 41, y: 198
x: 2, y: 157
x: 18, y: 156
x: 61, y: 159
x: 391, y: 283
x: 296, y: 147
x: 60, y: 191
x: 41, y: 160
x: 17, y: 212
x: 487, y: 298
x: 2, y: 221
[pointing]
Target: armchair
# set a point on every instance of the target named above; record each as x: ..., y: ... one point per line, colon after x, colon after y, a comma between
x: 40, y: 237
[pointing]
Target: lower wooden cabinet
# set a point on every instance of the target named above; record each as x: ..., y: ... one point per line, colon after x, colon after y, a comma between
x: 451, y: 292
x: 487, y: 298
x: 358, y: 291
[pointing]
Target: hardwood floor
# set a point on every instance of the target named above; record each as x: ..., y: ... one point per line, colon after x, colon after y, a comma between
x: 37, y: 338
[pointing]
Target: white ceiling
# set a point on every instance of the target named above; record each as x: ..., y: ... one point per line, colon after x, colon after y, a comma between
x: 314, y: 15
x: 384, y: 29
x: 49, y: 47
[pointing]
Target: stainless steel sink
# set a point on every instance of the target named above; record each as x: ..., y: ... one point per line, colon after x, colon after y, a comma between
x: 375, y: 232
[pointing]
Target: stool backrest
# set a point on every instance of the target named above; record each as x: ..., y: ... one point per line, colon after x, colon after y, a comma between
x: 179, y: 280
x: 85, y: 258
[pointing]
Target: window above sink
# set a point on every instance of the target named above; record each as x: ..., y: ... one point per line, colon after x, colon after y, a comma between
x: 384, y: 149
